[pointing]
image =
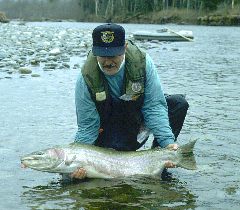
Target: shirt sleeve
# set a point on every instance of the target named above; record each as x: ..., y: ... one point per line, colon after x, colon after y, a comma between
x: 88, y: 119
x: 155, y: 109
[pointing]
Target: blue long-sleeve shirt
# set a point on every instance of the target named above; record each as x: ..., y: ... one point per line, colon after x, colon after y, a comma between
x: 154, y: 109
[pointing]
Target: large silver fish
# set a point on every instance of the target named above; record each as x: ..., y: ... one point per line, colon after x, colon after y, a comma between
x: 108, y: 163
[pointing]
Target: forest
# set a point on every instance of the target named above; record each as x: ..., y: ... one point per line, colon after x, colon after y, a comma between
x: 138, y: 11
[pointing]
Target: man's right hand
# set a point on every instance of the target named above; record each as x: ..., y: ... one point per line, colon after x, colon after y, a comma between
x: 80, y: 173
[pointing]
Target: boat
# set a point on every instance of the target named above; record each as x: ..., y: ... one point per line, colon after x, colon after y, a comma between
x: 164, y: 35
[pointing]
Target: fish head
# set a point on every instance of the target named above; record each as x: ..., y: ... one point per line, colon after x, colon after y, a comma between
x: 43, y: 160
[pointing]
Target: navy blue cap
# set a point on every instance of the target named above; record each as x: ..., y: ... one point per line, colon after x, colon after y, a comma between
x: 108, y: 40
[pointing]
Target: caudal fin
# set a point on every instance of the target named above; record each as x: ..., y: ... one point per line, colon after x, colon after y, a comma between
x: 187, y: 159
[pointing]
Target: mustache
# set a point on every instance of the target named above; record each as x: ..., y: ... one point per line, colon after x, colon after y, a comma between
x: 109, y: 66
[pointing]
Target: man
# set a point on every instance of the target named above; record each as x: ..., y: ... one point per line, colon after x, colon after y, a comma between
x: 118, y: 93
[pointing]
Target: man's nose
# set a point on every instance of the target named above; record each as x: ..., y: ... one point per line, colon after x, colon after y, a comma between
x: 107, y: 61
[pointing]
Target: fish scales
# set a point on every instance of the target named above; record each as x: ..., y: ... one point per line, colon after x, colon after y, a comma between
x: 108, y: 163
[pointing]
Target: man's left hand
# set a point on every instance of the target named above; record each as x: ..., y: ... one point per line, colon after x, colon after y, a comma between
x: 172, y: 146
x: 170, y: 164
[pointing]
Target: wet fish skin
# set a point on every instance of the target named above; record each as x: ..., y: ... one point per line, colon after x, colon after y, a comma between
x: 108, y: 163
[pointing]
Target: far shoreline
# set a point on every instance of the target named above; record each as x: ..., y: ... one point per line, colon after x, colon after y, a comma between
x: 178, y: 17
x: 205, y: 21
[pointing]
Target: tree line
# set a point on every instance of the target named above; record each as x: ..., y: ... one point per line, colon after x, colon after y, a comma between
x: 144, y: 6
x: 87, y: 10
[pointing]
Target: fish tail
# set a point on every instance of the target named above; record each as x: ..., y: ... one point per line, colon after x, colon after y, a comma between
x: 187, y: 159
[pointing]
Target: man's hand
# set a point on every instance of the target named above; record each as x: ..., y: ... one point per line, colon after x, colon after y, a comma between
x: 170, y: 164
x: 172, y: 146
x: 80, y: 173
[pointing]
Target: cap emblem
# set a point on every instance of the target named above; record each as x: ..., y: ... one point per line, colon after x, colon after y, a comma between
x: 107, y: 36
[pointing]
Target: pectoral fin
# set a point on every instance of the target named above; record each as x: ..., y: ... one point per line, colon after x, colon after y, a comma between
x: 69, y: 162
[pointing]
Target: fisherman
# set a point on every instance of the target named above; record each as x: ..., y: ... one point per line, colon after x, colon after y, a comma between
x: 118, y: 96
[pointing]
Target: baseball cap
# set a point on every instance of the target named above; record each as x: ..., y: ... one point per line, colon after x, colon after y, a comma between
x: 108, y: 40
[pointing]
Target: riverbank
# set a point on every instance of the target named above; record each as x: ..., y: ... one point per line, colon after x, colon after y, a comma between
x: 184, y: 17
x: 223, y: 17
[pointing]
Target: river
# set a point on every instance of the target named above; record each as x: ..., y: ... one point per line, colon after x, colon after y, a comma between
x: 37, y: 112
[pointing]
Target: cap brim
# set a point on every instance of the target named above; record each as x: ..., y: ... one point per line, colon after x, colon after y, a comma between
x: 108, y: 51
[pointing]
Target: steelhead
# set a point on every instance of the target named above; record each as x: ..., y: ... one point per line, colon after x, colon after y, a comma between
x: 108, y: 163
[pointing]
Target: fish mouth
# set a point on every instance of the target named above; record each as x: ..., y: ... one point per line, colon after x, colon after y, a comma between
x: 27, y: 159
x: 25, y: 162
x: 36, y: 163
x: 23, y: 165
x: 28, y: 162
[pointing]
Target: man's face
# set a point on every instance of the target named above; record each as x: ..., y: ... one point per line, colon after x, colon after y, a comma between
x: 110, y: 65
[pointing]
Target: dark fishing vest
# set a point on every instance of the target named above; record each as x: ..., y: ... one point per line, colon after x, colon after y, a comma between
x: 119, y: 120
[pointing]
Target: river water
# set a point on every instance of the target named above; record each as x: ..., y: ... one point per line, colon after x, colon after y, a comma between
x: 39, y: 112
